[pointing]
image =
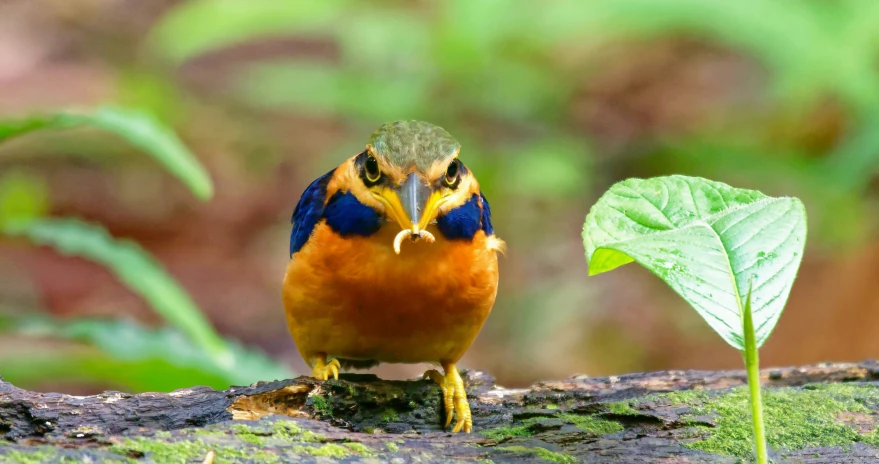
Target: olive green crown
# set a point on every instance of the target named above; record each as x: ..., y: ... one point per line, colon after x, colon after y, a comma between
x: 404, y: 143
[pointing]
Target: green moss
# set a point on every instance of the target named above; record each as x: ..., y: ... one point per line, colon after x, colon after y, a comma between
x: 553, y: 456
x: 389, y: 415
x: 502, y: 433
x: 195, y: 450
x: 322, y: 406
x: 359, y: 448
x: 871, y: 439
x: 592, y: 424
x: 308, y: 436
x: 252, y: 439
x: 163, y: 434
x: 160, y: 451
x: 795, y: 418
x: 247, y: 434
x: 392, y: 447
x: 225, y: 454
x: 621, y: 408
x: 259, y: 435
x: 542, y: 453
x: 36, y: 456
x: 289, y: 430
x: 551, y: 406
x: 683, y: 397
x: 286, y: 429
x: 330, y: 450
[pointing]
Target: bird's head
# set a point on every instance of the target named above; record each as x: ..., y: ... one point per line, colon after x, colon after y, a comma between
x: 410, y: 174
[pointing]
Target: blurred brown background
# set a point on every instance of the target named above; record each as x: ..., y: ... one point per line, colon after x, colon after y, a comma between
x: 552, y: 102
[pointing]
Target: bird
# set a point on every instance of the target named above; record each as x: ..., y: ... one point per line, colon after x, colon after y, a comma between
x: 393, y: 259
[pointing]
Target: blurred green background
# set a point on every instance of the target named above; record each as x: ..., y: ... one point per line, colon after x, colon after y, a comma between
x: 123, y: 265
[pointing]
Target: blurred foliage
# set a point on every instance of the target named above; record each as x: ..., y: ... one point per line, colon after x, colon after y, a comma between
x: 505, y: 77
x: 814, y: 49
x: 22, y: 196
x: 138, y: 128
x: 453, y: 61
x: 819, y: 49
x: 197, y: 353
x: 131, y: 356
x: 553, y: 101
x: 201, y: 26
x: 133, y: 267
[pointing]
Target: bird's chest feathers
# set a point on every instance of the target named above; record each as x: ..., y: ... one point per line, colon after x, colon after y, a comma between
x: 372, y: 262
x: 365, y: 270
x: 349, y: 262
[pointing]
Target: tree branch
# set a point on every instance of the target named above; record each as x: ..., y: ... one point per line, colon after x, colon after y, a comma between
x: 676, y: 415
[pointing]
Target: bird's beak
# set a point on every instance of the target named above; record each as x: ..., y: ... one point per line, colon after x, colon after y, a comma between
x: 413, y: 206
x: 419, y: 204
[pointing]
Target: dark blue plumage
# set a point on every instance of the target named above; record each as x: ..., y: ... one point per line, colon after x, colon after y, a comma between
x: 347, y: 216
x: 309, y: 211
x: 486, y: 216
x: 343, y: 213
x: 463, y: 222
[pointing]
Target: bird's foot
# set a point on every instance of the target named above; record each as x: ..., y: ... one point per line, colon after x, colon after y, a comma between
x: 322, y: 370
x: 454, y: 397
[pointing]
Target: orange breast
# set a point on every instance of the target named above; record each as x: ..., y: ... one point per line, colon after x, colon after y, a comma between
x: 354, y: 298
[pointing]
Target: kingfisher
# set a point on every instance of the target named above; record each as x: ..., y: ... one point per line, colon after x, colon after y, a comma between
x: 393, y: 259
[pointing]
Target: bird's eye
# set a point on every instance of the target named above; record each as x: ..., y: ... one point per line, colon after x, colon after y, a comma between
x: 452, y: 173
x: 373, y: 173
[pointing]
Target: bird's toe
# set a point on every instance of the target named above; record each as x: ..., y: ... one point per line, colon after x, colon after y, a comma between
x: 322, y: 370
x: 454, y: 398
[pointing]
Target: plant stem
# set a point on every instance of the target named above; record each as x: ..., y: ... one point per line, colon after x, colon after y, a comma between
x: 752, y: 364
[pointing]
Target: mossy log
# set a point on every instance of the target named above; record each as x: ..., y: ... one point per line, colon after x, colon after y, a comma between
x: 820, y: 413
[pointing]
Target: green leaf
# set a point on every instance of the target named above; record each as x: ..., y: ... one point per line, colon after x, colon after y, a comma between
x: 22, y: 196
x: 141, y: 130
x: 136, y: 268
x: 129, y: 344
x: 839, y: 217
x: 706, y: 240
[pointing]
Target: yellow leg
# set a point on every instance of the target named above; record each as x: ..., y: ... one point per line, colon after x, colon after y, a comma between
x: 322, y: 370
x: 454, y: 397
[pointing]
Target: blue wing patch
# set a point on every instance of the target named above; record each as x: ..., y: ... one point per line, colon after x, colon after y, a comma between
x: 461, y: 223
x: 309, y: 211
x: 347, y: 216
x: 486, y: 216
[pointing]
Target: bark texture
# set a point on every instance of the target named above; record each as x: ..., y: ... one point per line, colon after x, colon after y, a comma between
x: 819, y: 413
